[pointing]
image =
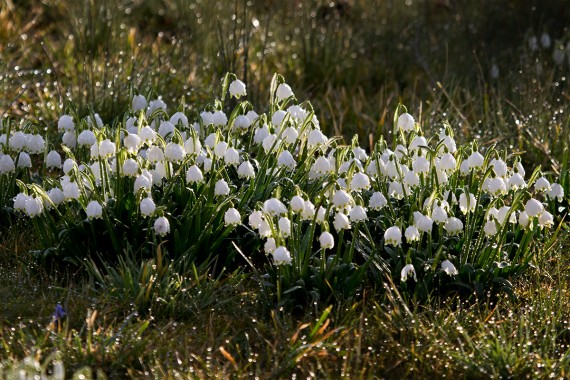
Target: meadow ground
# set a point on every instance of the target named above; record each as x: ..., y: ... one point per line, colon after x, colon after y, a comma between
x: 498, y: 73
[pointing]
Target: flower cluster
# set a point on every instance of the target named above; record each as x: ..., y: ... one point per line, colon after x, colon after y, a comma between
x: 423, y: 207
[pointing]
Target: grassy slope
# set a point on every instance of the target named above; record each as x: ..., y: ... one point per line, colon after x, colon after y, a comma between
x: 375, y: 334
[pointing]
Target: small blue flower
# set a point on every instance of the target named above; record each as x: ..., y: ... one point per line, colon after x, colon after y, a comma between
x: 59, y: 313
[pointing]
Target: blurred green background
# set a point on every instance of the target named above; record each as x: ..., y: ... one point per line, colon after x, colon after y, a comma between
x: 497, y: 70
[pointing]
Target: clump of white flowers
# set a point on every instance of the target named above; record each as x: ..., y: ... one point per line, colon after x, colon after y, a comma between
x: 423, y: 207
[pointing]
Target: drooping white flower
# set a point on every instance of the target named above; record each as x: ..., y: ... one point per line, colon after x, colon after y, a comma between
x: 497, y: 186
x: 533, y: 208
x: 358, y: 214
x: 290, y: 135
x: 475, y: 161
x: 407, y: 271
x: 359, y: 182
x: 35, y: 144
x: 155, y: 105
x: 20, y: 201
x: 24, y: 160
x: 18, y: 141
x: 142, y: 182
x: 94, y: 210
x: 34, y: 206
x: 377, y: 201
x: 321, y: 214
x: 232, y: 217
x: 260, y: 134
x: 274, y: 207
x: 221, y: 188
x: 316, y: 138
x: 246, y: 170
x: 284, y: 226
x: 283, y: 91
x: 166, y: 129
x: 270, y: 246
x: 138, y: 103
x: 375, y: 167
x: 393, y: 236
x: 242, y: 123
x: 524, y: 220
x: 68, y: 165
x: 154, y: 154
x: 174, y: 152
x: 502, y: 215
x: 396, y: 190
x: 281, y: 256
x: 467, y: 204
x: 65, y: 124
x: 439, y: 215
x: 211, y: 141
x: 237, y: 89
x: 447, y: 162
x: 107, y: 148
x: 359, y: 153
x: 192, y: 146
x: 412, y: 234
x: 490, y: 227
x: 7, y: 164
x: 161, y: 226
x: 423, y: 222
x: 342, y: 199
x: 207, y: 117
x: 130, y: 167
x: 207, y: 164
x: 406, y: 122
x: 277, y: 118
x: 556, y: 192
x: 448, y: 267
x: 231, y: 157
x: 326, y: 240
x: 70, y: 190
x: 390, y: 169
x: 147, y: 134
x: 515, y: 182
x: 179, y: 117
x: 442, y: 177
x: 321, y: 167
x: 252, y: 115
x: 86, y: 138
x: 132, y: 142
x: 131, y: 125
x: 308, y: 212
x: 297, y: 204
x: 161, y: 170
x: 499, y: 167
x: 341, y: 222
x: 417, y: 143
x: 542, y: 184
x: 147, y: 207
x: 286, y: 159
x: 411, y: 179
x: 269, y: 142
x: 453, y: 226
x: 255, y: 219
x: 297, y: 113
x: 545, y: 219
x: 219, y: 118
x: 68, y: 139
x: 56, y: 195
